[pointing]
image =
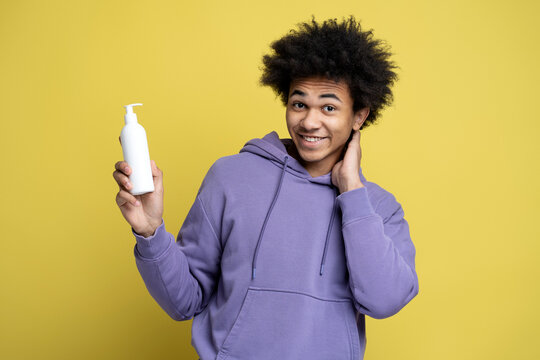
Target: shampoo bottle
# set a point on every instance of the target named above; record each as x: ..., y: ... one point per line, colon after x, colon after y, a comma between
x: 135, y: 149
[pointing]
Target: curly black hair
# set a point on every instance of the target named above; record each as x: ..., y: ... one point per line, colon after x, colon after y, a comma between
x: 338, y: 51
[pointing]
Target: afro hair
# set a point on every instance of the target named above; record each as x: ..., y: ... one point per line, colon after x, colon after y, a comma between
x: 337, y: 51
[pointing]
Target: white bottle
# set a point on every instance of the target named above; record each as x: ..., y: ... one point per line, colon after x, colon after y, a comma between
x: 135, y: 149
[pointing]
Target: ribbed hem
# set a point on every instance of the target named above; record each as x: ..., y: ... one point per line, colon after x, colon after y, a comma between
x: 354, y: 205
x: 153, y: 246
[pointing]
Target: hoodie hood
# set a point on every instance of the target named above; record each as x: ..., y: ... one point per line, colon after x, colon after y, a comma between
x: 274, y: 149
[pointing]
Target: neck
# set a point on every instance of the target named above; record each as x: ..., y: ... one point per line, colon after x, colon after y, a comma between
x: 313, y: 169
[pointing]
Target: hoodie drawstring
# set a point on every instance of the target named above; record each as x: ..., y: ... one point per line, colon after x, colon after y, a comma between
x: 328, y: 232
x: 267, y: 216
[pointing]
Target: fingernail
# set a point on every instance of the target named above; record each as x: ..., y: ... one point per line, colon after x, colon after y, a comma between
x: 137, y: 203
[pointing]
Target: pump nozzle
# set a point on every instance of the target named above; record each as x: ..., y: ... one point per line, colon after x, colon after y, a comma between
x: 130, y: 115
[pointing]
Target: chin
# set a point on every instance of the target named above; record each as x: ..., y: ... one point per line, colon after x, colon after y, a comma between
x: 309, y: 158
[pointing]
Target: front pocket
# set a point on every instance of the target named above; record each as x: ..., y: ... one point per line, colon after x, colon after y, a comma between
x: 283, y: 324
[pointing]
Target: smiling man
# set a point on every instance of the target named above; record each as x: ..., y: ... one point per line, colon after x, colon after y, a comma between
x: 287, y: 246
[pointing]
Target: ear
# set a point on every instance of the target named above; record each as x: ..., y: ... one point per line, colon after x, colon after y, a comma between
x: 359, y: 117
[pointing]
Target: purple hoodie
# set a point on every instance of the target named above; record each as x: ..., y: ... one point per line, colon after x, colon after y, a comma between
x: 272, y: 263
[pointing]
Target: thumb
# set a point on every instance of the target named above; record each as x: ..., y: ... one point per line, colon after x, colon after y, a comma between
x: 155, y: 170
x: 157, y: 175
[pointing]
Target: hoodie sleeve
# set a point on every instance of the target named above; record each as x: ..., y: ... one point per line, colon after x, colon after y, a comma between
x: 380, y: 253
x: 181, y: 275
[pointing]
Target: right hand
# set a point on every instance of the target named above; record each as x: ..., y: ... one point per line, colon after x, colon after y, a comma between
x: 145, y: 217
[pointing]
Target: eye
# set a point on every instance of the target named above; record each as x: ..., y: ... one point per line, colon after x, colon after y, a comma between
x: 329, y: 108
x: 298, y: 105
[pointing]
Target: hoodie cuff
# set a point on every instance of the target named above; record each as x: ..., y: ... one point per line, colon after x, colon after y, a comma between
x: 354, y: 205
x: 153, y: 246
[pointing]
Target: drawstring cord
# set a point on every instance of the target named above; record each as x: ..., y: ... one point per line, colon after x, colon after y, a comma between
x: 254, y: 268
x: 329, y: 231
x: 334, y: 210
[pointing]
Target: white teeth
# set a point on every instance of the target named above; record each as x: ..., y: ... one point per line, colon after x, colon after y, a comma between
x: 311, y: 138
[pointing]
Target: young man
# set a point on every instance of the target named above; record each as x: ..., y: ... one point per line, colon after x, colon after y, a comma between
x: 287, y: 246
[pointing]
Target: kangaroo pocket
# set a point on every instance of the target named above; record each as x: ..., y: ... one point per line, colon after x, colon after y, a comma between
x: 283, y: 324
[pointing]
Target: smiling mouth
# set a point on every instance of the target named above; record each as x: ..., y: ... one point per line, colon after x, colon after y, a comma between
x: 311, y: 141
x: 312, y: 138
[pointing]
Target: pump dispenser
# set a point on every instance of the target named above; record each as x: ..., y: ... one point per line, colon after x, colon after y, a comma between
x: 130, y: 115
x: 135, y: 149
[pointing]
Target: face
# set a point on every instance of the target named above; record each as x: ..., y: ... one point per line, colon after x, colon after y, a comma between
x: 320, y: 119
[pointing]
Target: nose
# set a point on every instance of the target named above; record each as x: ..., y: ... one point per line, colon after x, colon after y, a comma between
x: 312, y: 120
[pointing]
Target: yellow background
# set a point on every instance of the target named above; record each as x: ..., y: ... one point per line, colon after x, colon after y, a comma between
x: 458, y: 149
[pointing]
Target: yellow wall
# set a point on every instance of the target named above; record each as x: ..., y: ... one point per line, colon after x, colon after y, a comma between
x: 458, y: 148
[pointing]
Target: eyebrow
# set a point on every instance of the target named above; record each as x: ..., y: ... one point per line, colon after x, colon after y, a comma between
x: 328, y: 95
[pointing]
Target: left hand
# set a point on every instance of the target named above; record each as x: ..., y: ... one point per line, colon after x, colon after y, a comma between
x: 345, y: 173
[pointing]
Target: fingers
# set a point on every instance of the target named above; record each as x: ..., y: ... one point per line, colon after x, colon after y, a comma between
x: 122, y: 181
x: 353, y: 152
x: 123, y: 167
x: 357, y: 141
x: 359, y: 149
x: 355, y: 137
x: 123, y: 197
x: 121, y: 175
x: 122, y: 172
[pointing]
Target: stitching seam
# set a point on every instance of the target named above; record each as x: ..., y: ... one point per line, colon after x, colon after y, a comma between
x: 207, y: 217
x: 175, y: 309
x: 359, y: 219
